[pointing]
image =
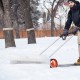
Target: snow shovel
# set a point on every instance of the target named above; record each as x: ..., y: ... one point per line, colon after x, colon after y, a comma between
x: 60, y: 46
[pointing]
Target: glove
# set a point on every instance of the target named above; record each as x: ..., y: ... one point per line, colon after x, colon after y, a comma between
x: 65, y: 34
x: 74, y: 32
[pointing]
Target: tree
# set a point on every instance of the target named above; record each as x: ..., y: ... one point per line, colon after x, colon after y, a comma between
x: 53, y: 12
x: 28, y: 21
x: 14, y: 16
x: 1, y: 14
x: 8, y: 30
x: 35, y: 13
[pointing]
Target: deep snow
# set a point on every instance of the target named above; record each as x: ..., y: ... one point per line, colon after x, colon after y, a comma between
x: 34, y: 70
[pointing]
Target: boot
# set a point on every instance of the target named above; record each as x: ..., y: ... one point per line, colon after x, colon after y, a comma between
x: 78, y: 62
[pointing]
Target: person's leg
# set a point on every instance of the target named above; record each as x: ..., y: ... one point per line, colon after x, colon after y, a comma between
x: 78, y: 61
x: 79, y: 42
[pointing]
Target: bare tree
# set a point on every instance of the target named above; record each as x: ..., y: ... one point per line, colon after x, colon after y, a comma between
x: 8, y: 30
x: 53, y: 13
x: 28, y: 21
x: 14, y: 8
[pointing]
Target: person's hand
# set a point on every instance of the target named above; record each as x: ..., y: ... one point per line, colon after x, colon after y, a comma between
x: 65, y: 34
x: 75, y: 30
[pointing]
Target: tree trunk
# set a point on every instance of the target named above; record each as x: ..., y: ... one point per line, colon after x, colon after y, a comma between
x: 15, y: 22
x: 9, y: 38
x: 14, y: 9
x: 28, y: 23
x: 52, y: 22
x: 8, y: 30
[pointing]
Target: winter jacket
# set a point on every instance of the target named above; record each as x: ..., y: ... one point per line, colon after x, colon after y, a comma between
x: 73, y: 15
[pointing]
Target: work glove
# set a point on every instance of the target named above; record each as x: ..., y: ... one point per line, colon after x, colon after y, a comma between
x: 65, y: 34
x: 75, y: 30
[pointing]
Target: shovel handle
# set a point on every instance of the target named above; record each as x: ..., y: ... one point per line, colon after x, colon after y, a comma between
x: 64, y: 37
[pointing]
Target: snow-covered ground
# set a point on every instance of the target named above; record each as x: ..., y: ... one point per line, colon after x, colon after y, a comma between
x: 25, y: 62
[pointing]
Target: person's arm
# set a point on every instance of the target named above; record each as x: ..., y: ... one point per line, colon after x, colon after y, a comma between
x: 69, y: 21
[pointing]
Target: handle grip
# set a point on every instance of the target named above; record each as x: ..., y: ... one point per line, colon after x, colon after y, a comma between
x: 64, y: 37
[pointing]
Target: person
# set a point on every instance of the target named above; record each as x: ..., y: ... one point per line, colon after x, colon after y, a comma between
x: 73, y: 16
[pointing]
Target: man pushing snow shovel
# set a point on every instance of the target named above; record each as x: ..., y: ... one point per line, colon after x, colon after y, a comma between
x: 73, y: 16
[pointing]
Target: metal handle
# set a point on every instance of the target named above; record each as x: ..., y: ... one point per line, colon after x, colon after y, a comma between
x: 64, y: 37
x: 49, y: 46
x: 60, y: 47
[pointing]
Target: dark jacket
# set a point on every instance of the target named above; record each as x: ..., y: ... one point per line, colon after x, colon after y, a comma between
x: 73, y: 15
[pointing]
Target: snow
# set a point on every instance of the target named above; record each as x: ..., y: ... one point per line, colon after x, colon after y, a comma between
x: 24, y: 61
